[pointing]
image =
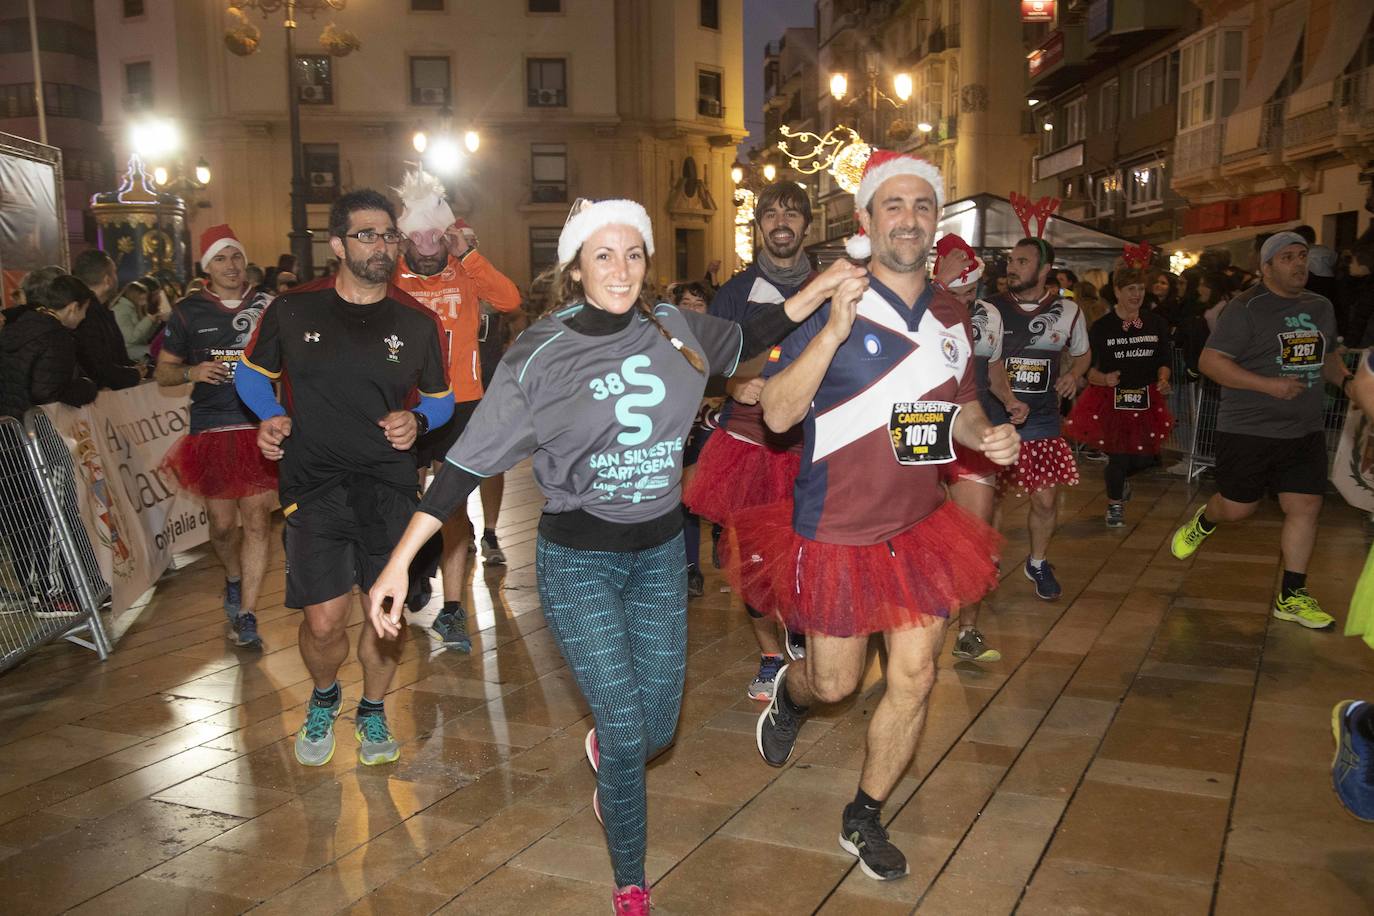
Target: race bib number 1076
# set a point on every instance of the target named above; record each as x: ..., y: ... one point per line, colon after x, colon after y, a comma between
x: 923, y: 432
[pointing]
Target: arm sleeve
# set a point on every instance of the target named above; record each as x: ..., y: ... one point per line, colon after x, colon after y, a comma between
x: 174, y: 337
x: 1164, y: 359
x: 501, y: 431
x: 793, y: 344
x: 1097, y: 340
x: 448, y: 491
x: 767, y: 327
x: 968, y: 382
x: 438, y: 410
x: 493, y: 287
x: 1078, y: 334
x: 55, y: 377
x: 993, y: 329
x: 1232, y: 331
x: 433, y: 382
x: 721, y: 341
x: 263, y: 352
x: 97, y: 358
x: 255, y: 389
x: 731, y: 302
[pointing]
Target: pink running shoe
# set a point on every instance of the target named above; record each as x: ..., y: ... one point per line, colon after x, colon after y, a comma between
x: 596, y: 806
x: 593, y: 750
x: 631, y: 900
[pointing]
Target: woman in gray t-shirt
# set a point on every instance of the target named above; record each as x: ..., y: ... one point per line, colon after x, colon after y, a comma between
x: 601, y: 393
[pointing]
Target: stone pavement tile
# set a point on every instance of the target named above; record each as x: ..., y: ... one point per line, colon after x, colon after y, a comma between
x: 1213, y: 626
x: 551, y: 755
x: 210, y: 794
x: 584, y: 861
x: 155, y: 898
x: 1342, y: 883
x: 1010, y: 808
x: 142, y: 783
x: 1079, y: 716
x: 153, y: 715
x: 488, y: 795
x: 1155, y: 702
x: 1051, y: 765
x: 1281, y: 732
x: 925, y: 856
x: 1163, y: 778
x: 1106, y: 674
x: 1005, y: 725
x: 1033, y: 687
x: 1172, y: 747
x: 73, y: 867
x: 676, y: 825
x: 999, y: 851
x: 393, y: 900
x: 729, y: 875
x: 482, y: 725
x: 28, y: 760
x: 1161, y: 833
x: 949, y: 800
x: 32, y: 829
x: 703, y: 766
x: 846, y: 901
x: 511, y: 891
x: 1292, y: 804
x: 232, y: 874
x: 1062, y: 888
x: 1244, y: 677
x: 961, y: 895
x: 1185, y: 651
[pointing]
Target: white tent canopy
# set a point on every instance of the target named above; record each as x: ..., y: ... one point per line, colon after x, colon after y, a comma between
x: 989, y: 224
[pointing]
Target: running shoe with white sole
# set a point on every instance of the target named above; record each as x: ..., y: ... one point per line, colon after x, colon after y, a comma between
x: 794, y: 643
x: 971, y: 646
x: 1301, y: 608
x: 244, y: 631
x: 315, y: 740
x: 376, y: 743
x: 862, y: 834
x: 1352, y: 769
x: 631, y: 900
x: 492, y: 554
x: 1047, y: 587
x: 1189, y: 538
x: 452, y: 629
x: 776, y: 732
x: 761, y: 687
x: 593, y: 749
x: 696, y: 582
x: 1116, y: 515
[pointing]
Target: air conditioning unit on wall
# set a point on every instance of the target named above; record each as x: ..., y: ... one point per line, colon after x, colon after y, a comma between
x: 432, y: 95
x: 312, y: 93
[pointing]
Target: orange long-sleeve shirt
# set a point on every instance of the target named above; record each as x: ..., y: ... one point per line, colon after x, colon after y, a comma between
x: 455, y: 295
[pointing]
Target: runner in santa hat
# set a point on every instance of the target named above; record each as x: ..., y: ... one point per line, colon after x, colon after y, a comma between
x: 1123, y: 410
x: 441, y: 268
x: 971, y: 477
x: 871, y: 544
x: 219, y: 460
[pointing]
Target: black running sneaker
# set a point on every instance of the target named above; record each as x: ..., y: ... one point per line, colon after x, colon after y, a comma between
x: 778, y: 726
x: 862, y: 834
x: 696, y: 582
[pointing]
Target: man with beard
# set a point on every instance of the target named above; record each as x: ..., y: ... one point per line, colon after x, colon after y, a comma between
x: 745, y: 464
x: 219, y: 460
x: 441, y: 267
x: 352, y: 354
x: 1273, y: 347
x: 1037, y: 327
x: 872, y: 544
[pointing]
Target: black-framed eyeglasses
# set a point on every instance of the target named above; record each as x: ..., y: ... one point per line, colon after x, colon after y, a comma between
x: 372, y: 236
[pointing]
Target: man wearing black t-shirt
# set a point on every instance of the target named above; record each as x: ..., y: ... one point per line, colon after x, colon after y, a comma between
x: 351, y: 353
x: 218, y: 460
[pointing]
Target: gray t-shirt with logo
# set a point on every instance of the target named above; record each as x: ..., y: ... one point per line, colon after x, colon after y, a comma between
x: 605, y: 417
x: 1276, y: 337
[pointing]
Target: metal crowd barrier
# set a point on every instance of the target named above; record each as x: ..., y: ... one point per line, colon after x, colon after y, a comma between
x: 50, y: 582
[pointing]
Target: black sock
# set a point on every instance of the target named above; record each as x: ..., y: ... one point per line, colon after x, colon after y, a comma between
x: 328, y: 697
x: 489, y: 533
x: 1363, y: 721
x: 368, y: 707
x: 452, y: 607
x: 1292, y: 581
x: 791, y: 704
x: 1207, y: 526
x: 863, y: 800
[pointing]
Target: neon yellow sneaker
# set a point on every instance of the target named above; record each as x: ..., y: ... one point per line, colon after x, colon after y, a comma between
x: 1302, y: 608
x: 1190, y: 537
x: 376, y: 743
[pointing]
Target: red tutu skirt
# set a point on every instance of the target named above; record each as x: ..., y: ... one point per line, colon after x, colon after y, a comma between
x: 1095, y: 422
x: 1043, y: 463
x: 733, y: 474
x: 944, y: 562
x: 221, y: 464
x: 970, y: 464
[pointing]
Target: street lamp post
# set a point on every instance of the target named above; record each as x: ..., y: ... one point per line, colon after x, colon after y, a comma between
x: 300, y: 236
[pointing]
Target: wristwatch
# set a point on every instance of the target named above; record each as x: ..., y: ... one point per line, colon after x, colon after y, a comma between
x: 421, y: 423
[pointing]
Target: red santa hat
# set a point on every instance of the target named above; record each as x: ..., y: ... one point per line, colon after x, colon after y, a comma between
x: 216, y: 239
x: 882, y: 165
x: 951, y: 243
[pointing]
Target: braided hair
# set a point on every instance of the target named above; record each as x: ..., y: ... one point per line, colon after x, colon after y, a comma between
x: 564, y: 290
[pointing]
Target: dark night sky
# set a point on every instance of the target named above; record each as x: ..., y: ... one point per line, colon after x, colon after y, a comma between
x: 764, y: 21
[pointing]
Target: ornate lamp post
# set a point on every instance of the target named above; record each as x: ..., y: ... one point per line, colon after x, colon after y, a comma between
x: 243, y: 40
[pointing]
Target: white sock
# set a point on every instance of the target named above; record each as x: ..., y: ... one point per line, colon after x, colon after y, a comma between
x: 1036, y: 564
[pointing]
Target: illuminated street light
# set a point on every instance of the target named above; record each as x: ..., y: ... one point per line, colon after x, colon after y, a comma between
x: 1048, y: 127
x: 155, y: 139
x: 160, y: 175
x: 770, y: 172
x: 901, y: 84
x: 419, y: 141
x: 839, y: 85
x: 737, y: 174
x: 472, y: 140
x: 1032, y: 102
x: 925, y: 127
x: 203, y: 171
x: 444, y: 157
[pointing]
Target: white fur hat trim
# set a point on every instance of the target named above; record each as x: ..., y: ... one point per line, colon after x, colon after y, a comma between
x: 592, y: 217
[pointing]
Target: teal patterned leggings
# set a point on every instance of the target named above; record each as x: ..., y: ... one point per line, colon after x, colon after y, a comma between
x: 620, y: 620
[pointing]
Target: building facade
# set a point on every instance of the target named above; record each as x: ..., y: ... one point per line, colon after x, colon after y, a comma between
x: 570, y: 98
x: 71, y: 98
x: 1276, y: 121
x: 1103, y: 96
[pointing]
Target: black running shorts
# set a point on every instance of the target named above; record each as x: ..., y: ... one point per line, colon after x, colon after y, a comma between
x: 342, y: 538
x: 1250, y: 466
x: 435, y: 444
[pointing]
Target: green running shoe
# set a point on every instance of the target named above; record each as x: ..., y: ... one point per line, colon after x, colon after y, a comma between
x: 315, y: 740
x: 1190, y: 537
x: 1302, y: 608
x: 377, y: 745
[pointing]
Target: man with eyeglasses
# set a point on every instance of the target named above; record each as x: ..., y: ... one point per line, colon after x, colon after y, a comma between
x: 353, y: 355
x: 441, y: 267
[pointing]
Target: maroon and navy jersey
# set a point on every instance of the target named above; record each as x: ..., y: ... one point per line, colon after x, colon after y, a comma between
x: 342, y: 367
x: 854, y: 486
x: 1034, y: 336
x: 205, y: 329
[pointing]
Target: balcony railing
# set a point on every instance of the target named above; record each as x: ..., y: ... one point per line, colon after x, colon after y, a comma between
x: 1310, y: 127
x: 1197, y: 151
x: 1271, y: 125
x: 1355, y: 101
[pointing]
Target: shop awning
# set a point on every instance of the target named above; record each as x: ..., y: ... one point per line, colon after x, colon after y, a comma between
x: 1344, y: 33
x: 1240, y: 241
x: 1286, y: 25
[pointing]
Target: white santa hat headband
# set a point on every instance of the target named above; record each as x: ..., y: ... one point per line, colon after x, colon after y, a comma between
x: 588, y: 216
x: 882, y: 165
x: 427, y: 214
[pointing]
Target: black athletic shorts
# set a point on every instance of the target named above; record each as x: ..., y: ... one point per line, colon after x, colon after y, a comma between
x: 342, y: 538
x: 435, y: 444
x: 1248, y: 466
